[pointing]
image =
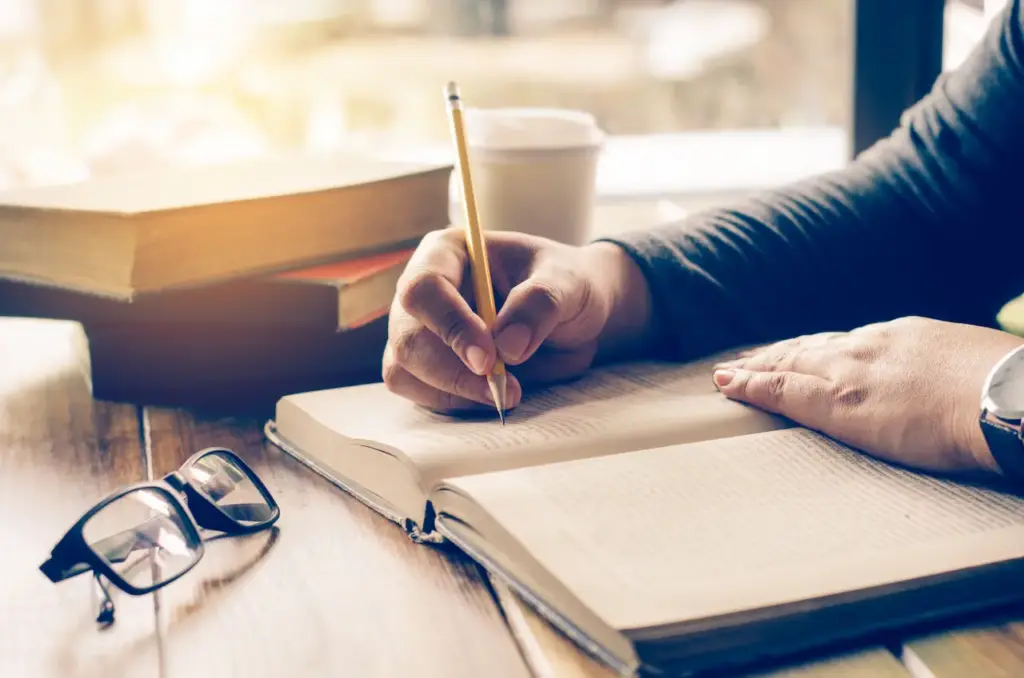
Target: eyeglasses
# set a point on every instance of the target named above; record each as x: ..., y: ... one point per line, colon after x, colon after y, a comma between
x: 143, y: 537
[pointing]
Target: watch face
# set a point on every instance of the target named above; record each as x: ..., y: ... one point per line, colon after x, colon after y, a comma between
x: 1004, y: 392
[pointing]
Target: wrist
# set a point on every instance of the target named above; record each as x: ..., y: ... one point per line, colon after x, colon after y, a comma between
x: 625, y: 295
x: 975, y: 449
x: 974, y: 439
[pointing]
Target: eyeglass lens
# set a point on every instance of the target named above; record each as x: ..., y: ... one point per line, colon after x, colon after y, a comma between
x: 142, y: 536
x: 229, y: 486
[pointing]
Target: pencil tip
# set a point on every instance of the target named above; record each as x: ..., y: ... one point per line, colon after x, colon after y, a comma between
x: 501, y: 415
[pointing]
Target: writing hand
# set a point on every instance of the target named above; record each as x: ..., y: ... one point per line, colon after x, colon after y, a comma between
x: 908, y: 390
x: 554, y: 304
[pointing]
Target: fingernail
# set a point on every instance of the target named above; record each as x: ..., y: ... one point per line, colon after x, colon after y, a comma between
x: 513, y: 341
x: 477, y: 358
x: 723, y: 377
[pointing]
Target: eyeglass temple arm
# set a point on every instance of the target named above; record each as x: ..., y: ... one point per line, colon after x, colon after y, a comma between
x: 117, y: 547
x: 105, y: 604
x: 57, y: 569
x: 105, y: 601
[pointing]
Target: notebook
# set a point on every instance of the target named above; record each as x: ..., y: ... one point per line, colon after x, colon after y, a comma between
x: 127, y: 234
x: 663, y: 527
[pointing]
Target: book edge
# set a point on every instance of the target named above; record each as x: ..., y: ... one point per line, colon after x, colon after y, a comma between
x: 370, y: 499
x: 583, y: 640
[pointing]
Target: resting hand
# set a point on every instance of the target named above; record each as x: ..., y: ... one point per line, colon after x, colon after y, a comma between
x: 908, y: 391
x: 558, y: 305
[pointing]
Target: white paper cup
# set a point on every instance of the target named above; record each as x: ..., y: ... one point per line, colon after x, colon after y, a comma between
x: 534, y: 171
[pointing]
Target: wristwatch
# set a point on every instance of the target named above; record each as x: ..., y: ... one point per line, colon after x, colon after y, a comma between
x: 1002, y: 413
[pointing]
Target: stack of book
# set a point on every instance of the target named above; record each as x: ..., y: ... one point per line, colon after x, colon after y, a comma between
x: 227, y: 285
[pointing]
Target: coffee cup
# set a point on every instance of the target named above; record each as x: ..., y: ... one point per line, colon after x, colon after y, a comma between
x: 534, y: 170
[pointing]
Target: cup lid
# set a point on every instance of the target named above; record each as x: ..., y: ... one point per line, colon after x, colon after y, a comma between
x: 531, y: 128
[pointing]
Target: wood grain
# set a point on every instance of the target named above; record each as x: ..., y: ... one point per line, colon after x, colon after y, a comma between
x: 995, y: 651
x: 60, y: 453
x: 547, y: 652
x: 550, y: 654
x: 336, y: 590
x: 341, y: 591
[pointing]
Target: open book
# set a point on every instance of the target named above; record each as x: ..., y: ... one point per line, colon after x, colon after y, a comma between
x: 662, y: 526
x: 391, y: 454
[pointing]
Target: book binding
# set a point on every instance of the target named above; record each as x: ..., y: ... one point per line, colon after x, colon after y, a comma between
x: 361, y: 494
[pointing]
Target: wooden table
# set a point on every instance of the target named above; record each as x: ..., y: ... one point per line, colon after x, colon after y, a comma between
x: 335, y: 590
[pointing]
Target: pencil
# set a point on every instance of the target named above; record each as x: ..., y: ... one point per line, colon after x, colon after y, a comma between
x: 478, y: 263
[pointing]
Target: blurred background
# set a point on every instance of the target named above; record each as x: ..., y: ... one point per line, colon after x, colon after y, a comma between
x: 699, y: 95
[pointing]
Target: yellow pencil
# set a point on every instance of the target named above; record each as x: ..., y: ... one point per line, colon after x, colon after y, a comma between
x: 479, y: 266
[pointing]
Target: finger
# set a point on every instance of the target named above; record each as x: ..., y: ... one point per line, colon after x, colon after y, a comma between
x: 423, y: 354
x: 800, y: 397
x: 777, y: 356
x: 535, y: 307
x: 428, y: 290
x: 551, y: 365
x: 420, y: 352
x: 808, y: 354
x: 400, y: 382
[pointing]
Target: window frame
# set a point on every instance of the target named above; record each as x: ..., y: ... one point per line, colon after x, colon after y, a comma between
x: 897, y: 56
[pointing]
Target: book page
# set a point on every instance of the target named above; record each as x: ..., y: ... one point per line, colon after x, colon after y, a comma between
x: 686, y: 532
x: 613, y: 409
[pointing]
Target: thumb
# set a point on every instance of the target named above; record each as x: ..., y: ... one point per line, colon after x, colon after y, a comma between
x: 535, y: 307
x: 799, y: 397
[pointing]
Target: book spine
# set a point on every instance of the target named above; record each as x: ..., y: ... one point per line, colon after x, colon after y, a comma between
x: 369, y: 499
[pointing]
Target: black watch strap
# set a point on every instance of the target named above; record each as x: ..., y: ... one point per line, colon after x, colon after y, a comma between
x: 1006, y: 447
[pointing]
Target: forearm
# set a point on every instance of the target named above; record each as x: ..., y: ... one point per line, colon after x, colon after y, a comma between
x: 925, y: 223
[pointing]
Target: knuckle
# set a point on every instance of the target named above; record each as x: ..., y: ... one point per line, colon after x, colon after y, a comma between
x: 847, y: 395
x: 417, y: 287
x: 544, y: 297
x: 784, y: 358
x: 408, y: 347
x: 907, y: 320
x: 389, y: 374
x: 875, y: 330
x: 778, y: 357
x: 449, y: 236
x: 776, y: 386
x: 788, y: 360
x: 766, y: 388
x: 438, y: 237
x: 862, y: 351
x: 896, y: 325
x: 452, y: 328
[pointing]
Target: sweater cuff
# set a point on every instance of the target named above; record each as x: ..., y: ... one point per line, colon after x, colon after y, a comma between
x: 687, y: 302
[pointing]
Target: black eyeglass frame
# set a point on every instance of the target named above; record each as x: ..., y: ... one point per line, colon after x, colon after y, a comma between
x: 72, y: 555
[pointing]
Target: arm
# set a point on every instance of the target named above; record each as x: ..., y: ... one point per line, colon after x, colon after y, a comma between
x: 929, y: 221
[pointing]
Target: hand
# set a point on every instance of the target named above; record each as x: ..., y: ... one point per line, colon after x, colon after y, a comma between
x: 558, y: 305
x: 908, y: 391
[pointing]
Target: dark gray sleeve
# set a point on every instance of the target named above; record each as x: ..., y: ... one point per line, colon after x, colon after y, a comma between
x: 926, y: 222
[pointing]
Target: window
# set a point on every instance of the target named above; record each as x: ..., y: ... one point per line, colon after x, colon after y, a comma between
x: 700, y: 96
